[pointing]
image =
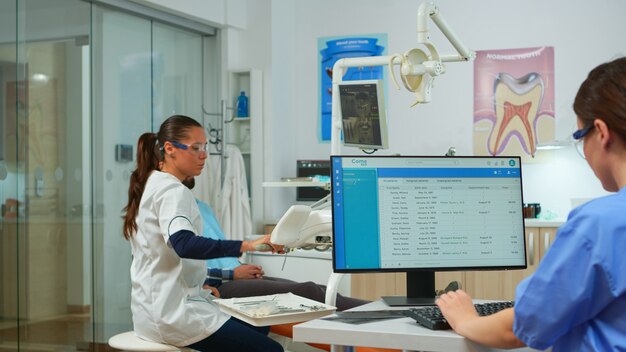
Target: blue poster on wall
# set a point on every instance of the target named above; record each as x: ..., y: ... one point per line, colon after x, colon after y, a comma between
x: 332, y: 49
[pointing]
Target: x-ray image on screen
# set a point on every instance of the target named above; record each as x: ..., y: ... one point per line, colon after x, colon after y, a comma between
x: 363, y: 114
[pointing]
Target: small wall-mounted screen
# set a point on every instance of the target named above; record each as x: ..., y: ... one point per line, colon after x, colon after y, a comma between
x: 363, y: 116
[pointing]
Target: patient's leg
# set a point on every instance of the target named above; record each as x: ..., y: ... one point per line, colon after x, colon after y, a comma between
x: 271, y: 285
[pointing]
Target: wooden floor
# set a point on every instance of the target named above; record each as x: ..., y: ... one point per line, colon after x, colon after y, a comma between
x: 69, y: 333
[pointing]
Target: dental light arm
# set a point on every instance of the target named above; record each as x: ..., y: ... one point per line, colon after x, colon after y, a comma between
x: 418, y: 69
x: 423, y: 36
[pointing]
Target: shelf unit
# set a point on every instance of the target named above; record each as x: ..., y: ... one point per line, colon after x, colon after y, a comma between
x: 247, y: 134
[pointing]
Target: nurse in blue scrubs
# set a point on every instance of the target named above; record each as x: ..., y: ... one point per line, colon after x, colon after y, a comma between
x: 576, y: 299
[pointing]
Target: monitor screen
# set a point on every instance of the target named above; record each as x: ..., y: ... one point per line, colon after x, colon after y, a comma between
x: 363, y: 116
x: 425, y: 214
x: 312, y: 168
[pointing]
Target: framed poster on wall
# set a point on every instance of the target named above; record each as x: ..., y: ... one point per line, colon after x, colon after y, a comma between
x: 330, y: 50
x: 513, y: 101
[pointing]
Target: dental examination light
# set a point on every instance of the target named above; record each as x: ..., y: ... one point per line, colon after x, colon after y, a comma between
x: 418, y: 68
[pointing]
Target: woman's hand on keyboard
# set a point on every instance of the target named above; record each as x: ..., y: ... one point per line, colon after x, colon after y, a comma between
x: 456, y: 307
x: 495, y: 330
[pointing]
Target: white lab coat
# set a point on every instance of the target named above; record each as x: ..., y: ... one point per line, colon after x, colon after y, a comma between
x: 209, y: 184
x: 168, y: 303
x: 235, y: 210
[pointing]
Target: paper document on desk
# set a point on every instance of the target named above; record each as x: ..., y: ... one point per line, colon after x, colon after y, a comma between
x: 275, y: 309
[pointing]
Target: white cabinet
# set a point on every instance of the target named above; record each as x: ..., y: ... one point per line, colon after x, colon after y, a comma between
x: 247, y: 134
x: 300, y: 265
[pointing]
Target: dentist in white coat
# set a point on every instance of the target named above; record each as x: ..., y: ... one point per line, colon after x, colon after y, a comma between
x: 164, y: 226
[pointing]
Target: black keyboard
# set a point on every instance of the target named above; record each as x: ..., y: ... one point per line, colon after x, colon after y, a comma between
x: 431, y: 317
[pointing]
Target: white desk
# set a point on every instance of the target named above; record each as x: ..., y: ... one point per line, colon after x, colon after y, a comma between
x: 403, y: 334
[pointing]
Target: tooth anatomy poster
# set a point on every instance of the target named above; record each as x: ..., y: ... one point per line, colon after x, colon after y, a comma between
x: 513, y: 101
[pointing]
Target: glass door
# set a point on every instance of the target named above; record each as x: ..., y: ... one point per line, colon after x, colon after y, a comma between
x: 8, y: 179
x: 143, y: 72
x: 45, y: 251
x: 78, y: 83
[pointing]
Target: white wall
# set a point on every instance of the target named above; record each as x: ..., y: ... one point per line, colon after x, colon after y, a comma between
x: 583, y: 33
x: 280, y: 37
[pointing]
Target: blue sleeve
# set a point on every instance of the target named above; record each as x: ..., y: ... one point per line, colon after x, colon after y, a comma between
x: 216, y: 276
x: 187, y: 245
x: 569, y: 287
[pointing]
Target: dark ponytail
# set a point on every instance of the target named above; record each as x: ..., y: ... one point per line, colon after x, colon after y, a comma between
x: 149, y: 156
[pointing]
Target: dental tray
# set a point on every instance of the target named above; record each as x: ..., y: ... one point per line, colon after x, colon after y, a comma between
x: 275, y: 309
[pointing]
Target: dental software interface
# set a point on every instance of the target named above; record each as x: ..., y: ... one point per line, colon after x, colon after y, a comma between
x: 438, y: 213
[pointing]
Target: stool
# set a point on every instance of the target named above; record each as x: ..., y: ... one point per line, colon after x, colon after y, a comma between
x: 127, y: 341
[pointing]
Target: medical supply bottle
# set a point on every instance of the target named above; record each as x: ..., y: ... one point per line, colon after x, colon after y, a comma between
x: 242, y: 105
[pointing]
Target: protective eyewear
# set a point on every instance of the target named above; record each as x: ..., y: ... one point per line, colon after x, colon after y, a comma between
x: 579, y: 139
x: 195, y: 148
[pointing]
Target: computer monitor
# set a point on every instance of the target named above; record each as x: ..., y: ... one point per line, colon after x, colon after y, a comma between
x: 422, y: 214
x: 363, y: 115
x: 312, y: 168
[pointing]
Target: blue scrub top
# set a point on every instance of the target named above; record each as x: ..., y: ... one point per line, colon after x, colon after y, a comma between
x: 212, y: 229
x: 576, y: 299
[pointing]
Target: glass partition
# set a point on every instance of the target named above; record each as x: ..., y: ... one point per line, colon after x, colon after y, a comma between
x: 44, y: 247
x: 122, y: 66
x: 78, y: 81
x: 177, y: 69
x: 8, y: 176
